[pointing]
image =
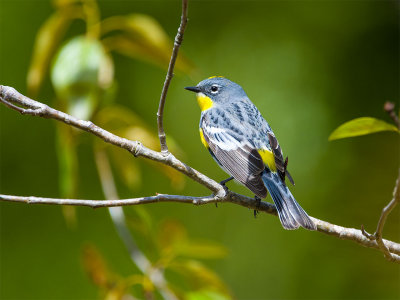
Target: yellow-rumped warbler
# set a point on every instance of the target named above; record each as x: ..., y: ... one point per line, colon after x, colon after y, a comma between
x: 243, y: 144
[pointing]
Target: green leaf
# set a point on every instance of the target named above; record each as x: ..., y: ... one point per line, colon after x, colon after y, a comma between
x: 82, y: 72
x: 142, y: 37
x: 361, y: 126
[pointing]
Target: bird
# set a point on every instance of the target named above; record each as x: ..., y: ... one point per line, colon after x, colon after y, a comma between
x: 243, y: 144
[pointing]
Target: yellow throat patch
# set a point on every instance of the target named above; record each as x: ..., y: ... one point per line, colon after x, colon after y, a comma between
x: 268, y: 159
x: 204, y: 101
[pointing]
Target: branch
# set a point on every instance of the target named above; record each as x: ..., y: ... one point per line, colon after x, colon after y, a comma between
x: 168, y: 78
x: 13, y: 99
x: 377, y: 236
x: 231, y: 197
x: 26, y: 106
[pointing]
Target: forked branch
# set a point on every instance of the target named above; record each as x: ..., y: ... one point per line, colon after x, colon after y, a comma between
x: 13, y: 99
x: 389, y: 107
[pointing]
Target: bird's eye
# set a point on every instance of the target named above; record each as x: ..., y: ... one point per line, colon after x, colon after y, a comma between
x: 214, y: 89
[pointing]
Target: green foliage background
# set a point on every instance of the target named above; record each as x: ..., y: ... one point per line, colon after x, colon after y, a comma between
x: 309, y: 66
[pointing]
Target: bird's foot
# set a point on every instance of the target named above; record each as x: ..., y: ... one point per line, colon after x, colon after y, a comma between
x: 223, y: 182
x: 258, y: 199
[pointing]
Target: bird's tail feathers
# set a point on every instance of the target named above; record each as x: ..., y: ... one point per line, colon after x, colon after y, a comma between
x: 290, y: 212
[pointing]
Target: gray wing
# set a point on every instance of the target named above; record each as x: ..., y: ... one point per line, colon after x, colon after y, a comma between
x: 247, y: 114
x: 236, y: 155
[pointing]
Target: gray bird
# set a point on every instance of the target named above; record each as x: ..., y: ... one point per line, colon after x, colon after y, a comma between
x: 244, y: 145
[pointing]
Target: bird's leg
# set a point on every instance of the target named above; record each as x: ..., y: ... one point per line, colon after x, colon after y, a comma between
x: 258, y: 199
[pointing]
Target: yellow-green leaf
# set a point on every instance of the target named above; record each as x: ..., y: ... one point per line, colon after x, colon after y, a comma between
x: 206, y: 295
x: 361, y: 126
x: 202, y: 249
x: 142, y: 37
x: 200, y: 276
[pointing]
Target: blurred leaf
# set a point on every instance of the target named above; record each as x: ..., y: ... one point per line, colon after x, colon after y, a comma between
x: 62, y: 3
x: 95, y: 266
x: 200, y: 277
x: 202, y: 249
x: 126, y: 123
x: 361, y: 126
x: 113, y: 286
x: 67, y: 170
x: 142, y: 37
x: 170, y: 232
x: 206, y: 295
x: 81, y: 73
x: 126, y: 167
x: 145, y: 218
x: 47, y: 40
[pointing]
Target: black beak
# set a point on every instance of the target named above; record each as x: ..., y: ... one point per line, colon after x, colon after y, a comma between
x: 193, y: 89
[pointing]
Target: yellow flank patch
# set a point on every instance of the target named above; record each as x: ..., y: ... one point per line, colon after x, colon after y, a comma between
x: 204, y: 101
x: 203, y: 140
x: 268, y: 159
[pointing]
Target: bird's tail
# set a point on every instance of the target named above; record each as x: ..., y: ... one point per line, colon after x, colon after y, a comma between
x: 289, y: 211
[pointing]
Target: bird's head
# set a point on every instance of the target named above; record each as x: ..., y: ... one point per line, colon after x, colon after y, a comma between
x: 216, y: 90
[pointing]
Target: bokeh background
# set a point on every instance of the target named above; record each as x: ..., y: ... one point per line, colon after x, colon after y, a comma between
x: 309, y: 66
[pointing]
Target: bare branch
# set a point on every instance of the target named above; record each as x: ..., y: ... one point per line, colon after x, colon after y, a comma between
x: 28, y: 106
x: 377, y: 236
x: 168, y: 78
x: 322, y: 226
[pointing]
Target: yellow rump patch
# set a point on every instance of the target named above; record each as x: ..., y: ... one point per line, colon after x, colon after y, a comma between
x: 268, y: 159
x: 204, y: 101
x: 215, y: 77
x: 203, y: 140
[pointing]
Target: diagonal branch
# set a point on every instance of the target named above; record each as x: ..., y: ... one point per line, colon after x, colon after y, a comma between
x: 26, y: 106
x: 13, y: 99
x: 168, y: 78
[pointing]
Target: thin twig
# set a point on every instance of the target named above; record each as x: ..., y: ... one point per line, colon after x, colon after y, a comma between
x: 35, y: 108
x: 389, y: 107
x: 168, y: 78
x: 377, y: 236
